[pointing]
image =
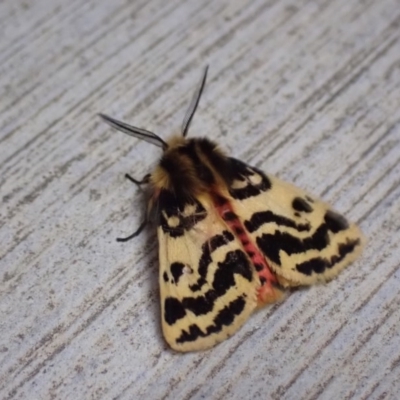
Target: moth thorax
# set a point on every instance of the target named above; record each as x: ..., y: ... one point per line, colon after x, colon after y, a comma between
x: 189, y: 167
x: 178, y: 176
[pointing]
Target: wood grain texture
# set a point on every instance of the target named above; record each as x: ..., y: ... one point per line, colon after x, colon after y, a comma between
x: 306, y: 90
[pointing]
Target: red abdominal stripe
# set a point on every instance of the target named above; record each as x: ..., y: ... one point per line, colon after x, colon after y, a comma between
x: 268, y: 281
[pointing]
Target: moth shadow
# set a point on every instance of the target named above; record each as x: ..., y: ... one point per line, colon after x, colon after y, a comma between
x: 152, y: 286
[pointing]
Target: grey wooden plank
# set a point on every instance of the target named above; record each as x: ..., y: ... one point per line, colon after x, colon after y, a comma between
x: 306, y: 90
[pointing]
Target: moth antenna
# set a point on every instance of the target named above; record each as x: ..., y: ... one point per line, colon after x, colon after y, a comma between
x: 134, y: 131
x: 194, y: 103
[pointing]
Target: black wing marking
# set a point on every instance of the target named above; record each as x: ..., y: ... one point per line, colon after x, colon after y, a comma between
x: 303, y: 239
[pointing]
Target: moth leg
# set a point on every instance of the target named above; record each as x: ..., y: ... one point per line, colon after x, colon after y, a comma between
x: 134, y: 234
x: 144, y: 180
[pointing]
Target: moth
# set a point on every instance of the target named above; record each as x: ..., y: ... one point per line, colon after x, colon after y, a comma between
x: 231, y: 238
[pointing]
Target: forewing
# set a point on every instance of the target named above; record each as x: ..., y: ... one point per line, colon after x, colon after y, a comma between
x: 208, y: 286
x: 303, y: 239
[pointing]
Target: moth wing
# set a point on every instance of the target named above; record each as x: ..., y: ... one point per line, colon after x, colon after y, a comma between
x: 302, y: 238
x: 208, y: 287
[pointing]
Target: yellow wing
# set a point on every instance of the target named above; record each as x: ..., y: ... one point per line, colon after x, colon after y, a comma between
x: 208, y: 286
x: 303, y: 239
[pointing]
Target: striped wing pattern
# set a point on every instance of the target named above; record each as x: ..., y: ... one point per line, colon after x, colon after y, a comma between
x: 303, y: 239
x: 208, y: 285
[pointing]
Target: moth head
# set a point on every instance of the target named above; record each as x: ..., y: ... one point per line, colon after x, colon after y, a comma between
x: 152, y: 137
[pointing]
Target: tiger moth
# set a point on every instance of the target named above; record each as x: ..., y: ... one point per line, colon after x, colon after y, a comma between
x: 231, y: 238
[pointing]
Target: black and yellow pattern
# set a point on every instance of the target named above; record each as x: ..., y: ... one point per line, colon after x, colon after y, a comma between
x: 208, y: 282
x: 231, y: 238
x: 304, y: 240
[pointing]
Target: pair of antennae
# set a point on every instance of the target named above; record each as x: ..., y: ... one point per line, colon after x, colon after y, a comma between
x: 152, y: 137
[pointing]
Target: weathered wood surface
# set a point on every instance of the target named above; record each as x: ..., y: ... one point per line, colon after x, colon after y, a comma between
x: 306, y: 90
